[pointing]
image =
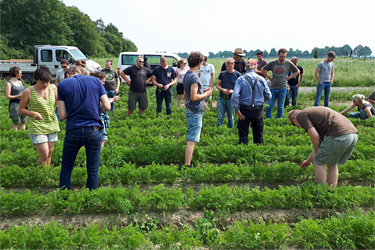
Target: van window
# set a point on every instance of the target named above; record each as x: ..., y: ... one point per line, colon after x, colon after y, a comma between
x: 172, y: 61
x: 129, y: 59
x: 62, y: 54
x: 46, y: 55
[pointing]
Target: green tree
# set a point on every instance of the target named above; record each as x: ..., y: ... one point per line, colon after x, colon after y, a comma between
x: 29, y: 22
x: 366, y: 51
x: 273, y: 52
x: 84, y: 32
x: 316, y: 53
x: 357, y: 50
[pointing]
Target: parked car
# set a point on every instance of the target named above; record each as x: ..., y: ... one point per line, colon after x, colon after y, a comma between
x: 152, y: 60
x: 49, y: 55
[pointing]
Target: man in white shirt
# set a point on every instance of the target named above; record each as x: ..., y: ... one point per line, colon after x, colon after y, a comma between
x: 207, y: 75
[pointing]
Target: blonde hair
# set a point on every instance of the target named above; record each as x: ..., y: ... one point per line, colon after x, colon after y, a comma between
x: 359, y: 98
x: 229, y: 61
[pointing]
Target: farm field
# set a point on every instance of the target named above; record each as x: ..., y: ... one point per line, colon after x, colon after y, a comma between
x: 234, y: 196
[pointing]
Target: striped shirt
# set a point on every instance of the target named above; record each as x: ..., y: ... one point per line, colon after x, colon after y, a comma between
x: 46, y: 108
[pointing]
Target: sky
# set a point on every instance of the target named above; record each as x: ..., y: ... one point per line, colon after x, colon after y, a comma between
x: 199, y: 25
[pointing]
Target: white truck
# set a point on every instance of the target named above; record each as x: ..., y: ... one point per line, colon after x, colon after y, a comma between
x: 152, y: 60
x: 49, y: 55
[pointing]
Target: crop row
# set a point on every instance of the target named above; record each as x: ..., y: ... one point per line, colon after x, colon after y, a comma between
x: 173, y: 153
x: 351, y: 231
x: 15, y: 176
x: 161, y: 199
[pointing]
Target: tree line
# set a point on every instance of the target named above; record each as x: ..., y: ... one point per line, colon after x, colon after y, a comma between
x: 25, y: 23
x: 346, y: 50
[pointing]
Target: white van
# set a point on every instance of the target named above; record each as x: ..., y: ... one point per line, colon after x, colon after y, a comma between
x: 152, y: 60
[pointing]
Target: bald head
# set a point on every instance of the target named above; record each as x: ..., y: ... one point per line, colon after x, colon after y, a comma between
x: 293, y: 113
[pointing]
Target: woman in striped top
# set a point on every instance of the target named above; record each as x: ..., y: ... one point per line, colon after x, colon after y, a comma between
x: 38, y: 101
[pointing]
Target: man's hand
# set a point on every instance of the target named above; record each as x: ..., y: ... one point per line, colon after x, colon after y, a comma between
x: 166, y: 87
x: 116, y: 98
x: 208, y: 91
x: 240, y: 116
x: 305, y: 164
x: 116, y: 91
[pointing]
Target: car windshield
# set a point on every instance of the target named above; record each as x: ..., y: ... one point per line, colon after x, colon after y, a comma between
x: 78, y: 54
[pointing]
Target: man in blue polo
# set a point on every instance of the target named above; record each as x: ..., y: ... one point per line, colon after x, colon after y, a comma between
x: 249, y: 95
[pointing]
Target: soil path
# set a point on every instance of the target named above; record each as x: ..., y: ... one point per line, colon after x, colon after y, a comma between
x: 178, y: 218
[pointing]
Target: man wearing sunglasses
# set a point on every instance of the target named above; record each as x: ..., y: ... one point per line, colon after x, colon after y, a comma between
x: 112, y: 81
x: 60, y: 74
x: 333, y: 137
x: 238, y: 60
x: 137, y: 91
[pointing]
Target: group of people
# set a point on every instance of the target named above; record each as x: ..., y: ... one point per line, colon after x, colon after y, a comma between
x: 81, y: 100
x: 244, y: 88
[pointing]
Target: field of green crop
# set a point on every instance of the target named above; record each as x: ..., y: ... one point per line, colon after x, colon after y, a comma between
x: 234, y: 196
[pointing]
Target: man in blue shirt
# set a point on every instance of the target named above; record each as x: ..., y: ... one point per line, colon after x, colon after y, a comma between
x: 164, y: 78
x: 249, y: 95
x: 81, y: 99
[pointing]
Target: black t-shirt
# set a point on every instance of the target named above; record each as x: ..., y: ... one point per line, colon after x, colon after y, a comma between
x: 138, y: 78
x: 294, y: 81
x: 239, y: 66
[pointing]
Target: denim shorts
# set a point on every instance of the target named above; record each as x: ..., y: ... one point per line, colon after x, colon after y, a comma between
x: 335, y: 151
x: 194, y: 125
x: 16, y: 117
x: 37, y: 139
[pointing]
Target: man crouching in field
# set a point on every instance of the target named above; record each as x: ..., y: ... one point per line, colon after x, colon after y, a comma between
x: 194, y: 105
x: 333, y: 137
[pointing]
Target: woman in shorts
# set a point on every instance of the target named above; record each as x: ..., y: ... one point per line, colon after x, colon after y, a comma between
x: 180, y: 72
x: 105, y: 117
x: 365, y: 109
x: 13, y: 92
x: 38, y: 101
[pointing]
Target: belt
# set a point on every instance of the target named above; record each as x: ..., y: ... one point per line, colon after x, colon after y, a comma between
x: 252, y: 106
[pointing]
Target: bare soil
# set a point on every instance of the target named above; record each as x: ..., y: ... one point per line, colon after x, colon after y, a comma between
x: 179, y: 218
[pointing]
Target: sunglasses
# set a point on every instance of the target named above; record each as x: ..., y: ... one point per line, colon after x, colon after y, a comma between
x: 141, y: 61
x: 185, y: 63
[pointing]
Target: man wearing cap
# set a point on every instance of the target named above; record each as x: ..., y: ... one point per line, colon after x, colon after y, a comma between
x: 239, y: 62
x: 249, y: 95
x: 333, y: 137
x: 280, y: 75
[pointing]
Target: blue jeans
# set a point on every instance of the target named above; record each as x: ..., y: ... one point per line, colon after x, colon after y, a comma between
x: 194, y: 125
x: 74, y: 140
x: 160, y: 95
x: 326, y: 86
x: 222, y: 107
x: 280, y: 95
x: 111, y: 94
x: 292, y: 92
x: 57, y: 113
x: 361, y: 114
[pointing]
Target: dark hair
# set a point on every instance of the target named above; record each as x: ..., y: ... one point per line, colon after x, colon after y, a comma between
x: 64, y: 61
x: 332, y: 54
x: 260, y: 53
x: 83, y: 62
x: 98, y: 74
x: 195, y: 58
x: 43, y: 74
x: 282, y: 50
x: 14, y: 71
x: 70, y: 72
x: 205, y: 58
